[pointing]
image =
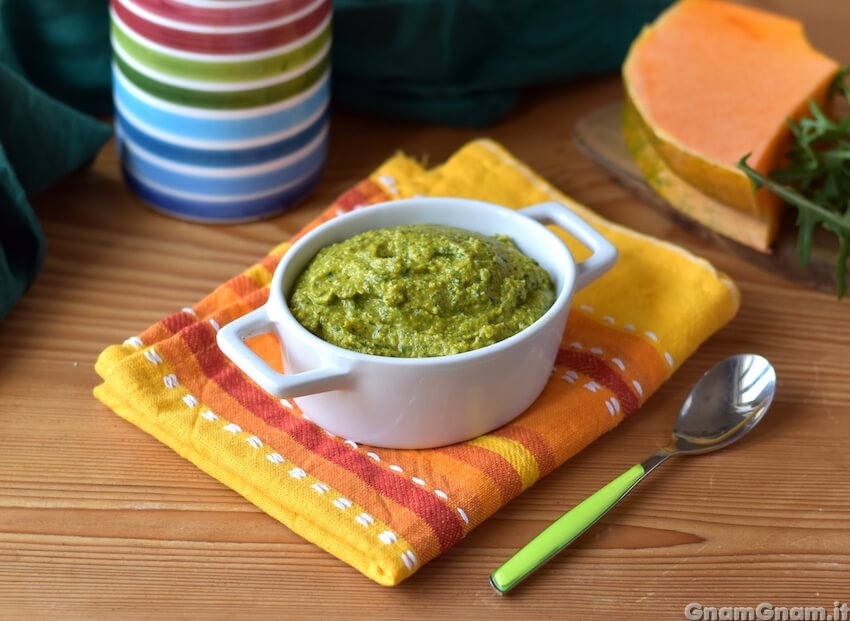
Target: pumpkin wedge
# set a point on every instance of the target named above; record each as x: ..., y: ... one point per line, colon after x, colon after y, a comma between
x: 707, y: 83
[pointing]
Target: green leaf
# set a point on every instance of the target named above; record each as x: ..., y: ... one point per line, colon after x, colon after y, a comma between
x: 816, y: 178
x: 809, y: 214
x: 839, y: 85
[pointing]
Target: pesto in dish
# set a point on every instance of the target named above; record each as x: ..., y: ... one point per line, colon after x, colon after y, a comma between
x: 420, y: 290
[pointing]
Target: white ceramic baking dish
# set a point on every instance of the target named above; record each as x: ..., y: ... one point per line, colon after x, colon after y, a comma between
x: 420, y: 402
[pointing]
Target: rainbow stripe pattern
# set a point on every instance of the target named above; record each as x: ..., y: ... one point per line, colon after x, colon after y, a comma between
x: 221, y: 108
x: 388, y: 512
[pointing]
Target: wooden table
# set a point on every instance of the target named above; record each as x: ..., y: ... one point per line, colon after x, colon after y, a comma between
x: 98, y: 520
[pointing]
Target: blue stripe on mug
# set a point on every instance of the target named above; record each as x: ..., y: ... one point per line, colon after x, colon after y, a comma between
x: 219, y: 157
x: 231, y: 211
x: 222, y: 181
x: 204, y: 125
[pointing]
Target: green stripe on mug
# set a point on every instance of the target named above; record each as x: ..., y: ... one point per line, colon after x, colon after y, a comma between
x: 225, y: 100
x: 217, y: 71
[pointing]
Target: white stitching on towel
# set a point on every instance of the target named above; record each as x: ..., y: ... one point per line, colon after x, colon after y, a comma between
x: 297, y: 473
x: 209, y: 415
x: 390, y: 182
x: 342, y: 503
x: 364, y: 519
x: 592, y: 386
x: 668, y: 358
x: 638, y: 387
x: 388, y: 537
x: 320, y: 488
x: 409, y: 559
x: 153, y: 356
x: 134, y: 341
x: 414, y: 479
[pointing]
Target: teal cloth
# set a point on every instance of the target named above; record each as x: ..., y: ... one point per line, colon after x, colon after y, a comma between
x: 59, y: 47
x: 465, y: 62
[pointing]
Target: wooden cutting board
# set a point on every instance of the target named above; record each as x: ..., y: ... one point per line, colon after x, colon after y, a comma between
x: 599, y: 136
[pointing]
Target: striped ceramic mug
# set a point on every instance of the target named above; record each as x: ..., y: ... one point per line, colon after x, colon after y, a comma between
x: 221, y: 106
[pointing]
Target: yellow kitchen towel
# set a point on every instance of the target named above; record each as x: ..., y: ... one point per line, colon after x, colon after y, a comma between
x: 388, y: 512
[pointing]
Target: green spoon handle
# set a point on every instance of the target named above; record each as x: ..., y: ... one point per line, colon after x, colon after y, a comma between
x: 568, y: 527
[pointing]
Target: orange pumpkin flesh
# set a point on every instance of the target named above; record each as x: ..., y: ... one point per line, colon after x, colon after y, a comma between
x: 709, y: 82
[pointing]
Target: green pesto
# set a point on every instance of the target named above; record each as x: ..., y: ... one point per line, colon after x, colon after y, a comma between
x: 420, y: 290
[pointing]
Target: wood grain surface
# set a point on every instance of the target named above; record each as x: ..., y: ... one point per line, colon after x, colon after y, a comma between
x: 100, y: 521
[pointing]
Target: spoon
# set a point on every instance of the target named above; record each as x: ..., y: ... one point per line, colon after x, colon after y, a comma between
x: 728, y: 401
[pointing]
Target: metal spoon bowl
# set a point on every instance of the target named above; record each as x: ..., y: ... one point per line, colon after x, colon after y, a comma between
x: 723, y: 406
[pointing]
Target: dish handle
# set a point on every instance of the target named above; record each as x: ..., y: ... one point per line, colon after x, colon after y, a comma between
x: 231, y: 340
x: 604, y: 253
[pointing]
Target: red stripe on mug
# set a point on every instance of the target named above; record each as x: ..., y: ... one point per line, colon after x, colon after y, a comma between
x: 223, y: 16
x: 223, y: 43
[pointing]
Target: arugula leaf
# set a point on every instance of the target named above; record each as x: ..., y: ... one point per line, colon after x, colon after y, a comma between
x: 816, y: 179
